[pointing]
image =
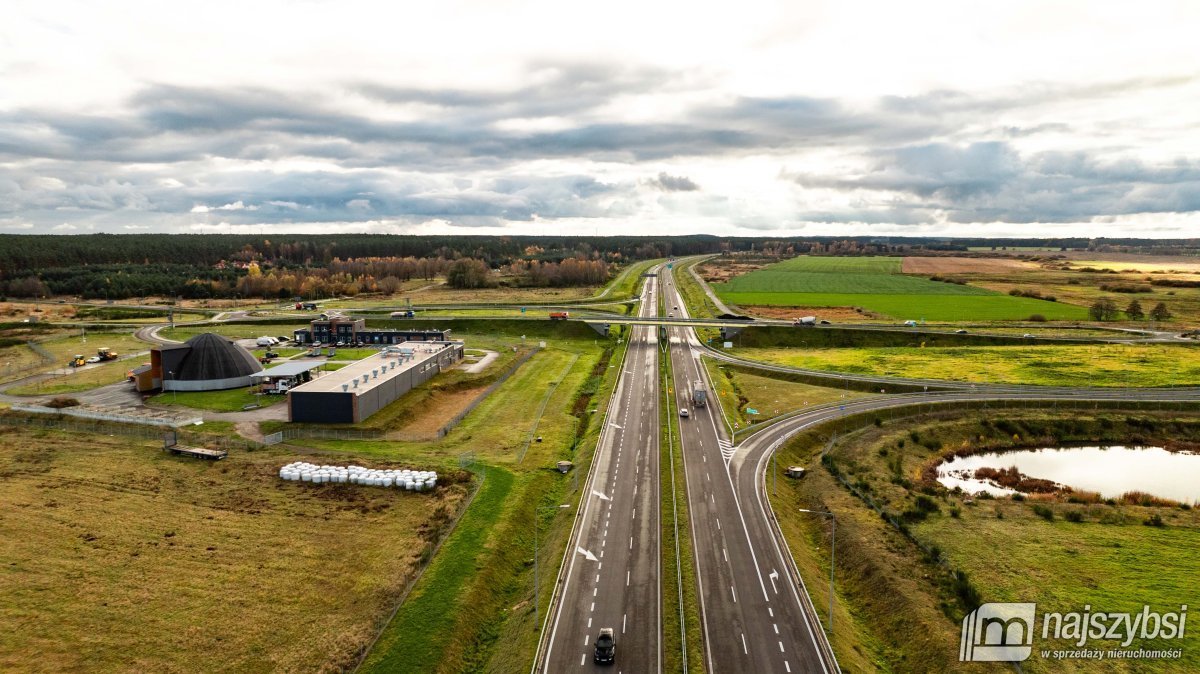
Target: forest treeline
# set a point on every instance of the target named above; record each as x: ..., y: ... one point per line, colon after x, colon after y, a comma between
x: 225, y: 265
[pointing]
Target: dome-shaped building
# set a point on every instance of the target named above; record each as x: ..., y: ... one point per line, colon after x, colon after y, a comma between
x: 207, y: 362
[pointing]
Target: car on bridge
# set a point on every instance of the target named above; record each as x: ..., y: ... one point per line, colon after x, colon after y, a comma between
x: 606, y: 647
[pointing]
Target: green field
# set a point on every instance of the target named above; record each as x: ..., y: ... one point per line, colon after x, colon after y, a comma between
x: 876, y: 284
x: 232, y: 400
x: 918, y: 307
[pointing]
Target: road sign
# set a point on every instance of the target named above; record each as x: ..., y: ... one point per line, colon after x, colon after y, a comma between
x: 522, y: 309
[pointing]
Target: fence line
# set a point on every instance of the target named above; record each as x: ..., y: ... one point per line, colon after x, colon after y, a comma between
x: 487, y: 392
x: 82, y: 425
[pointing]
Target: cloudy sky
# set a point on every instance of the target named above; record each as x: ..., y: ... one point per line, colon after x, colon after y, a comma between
x: 802, y: 117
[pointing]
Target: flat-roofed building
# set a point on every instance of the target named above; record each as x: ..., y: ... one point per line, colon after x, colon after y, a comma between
x: 334, y: 327
x: 355, y: 392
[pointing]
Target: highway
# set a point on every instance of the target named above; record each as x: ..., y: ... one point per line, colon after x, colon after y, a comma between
x: 612, y: 566
x: 753, y: 614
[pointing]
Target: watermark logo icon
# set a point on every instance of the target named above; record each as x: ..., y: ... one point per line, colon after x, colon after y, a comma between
x: 998, y: 633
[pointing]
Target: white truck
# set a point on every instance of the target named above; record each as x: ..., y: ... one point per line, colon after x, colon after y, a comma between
x: 805, y: 320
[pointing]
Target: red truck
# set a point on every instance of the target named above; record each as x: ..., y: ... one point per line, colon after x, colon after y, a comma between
x: 559, y: 315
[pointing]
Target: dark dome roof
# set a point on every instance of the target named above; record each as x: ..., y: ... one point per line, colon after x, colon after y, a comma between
x: 212, y: 356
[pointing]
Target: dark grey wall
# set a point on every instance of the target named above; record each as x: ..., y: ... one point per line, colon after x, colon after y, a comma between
x: 321, y: 407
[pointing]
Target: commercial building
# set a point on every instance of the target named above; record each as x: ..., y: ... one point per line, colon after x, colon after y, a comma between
x: 355, y: 392
x: 334, y: 328
x: 207, y: 362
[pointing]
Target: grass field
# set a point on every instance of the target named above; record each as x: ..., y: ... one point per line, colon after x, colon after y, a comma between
x: 118, y: 557
x: 877, y: 285
x: 232, y: 330
x: 478, y: 614
x: 949, y: 308
x: 232, y: 400
x: 84, y: 379
x: 1074, y: 365
x: 897, y: 605
x: 740, y: 391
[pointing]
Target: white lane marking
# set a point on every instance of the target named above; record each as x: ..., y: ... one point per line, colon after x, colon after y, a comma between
x: 597, y: 578
x: 718, y: 522
x: 776, y: 626
x: 593, y: 608
x: 587, y: 555
x: 713, y: 497
x: 623, y: 617
x: 781, y: 647
x: 595, y: 590
x: 785, y: 664
x: 582, y: 658
x: 725, y: 554
x: 602, y: 497
x: 585, y: 639
x: 635, y: 513
x: 631, y: 542
x: 771, y: 611
x: 626, y: 579
x: 734, y: 592
x: 774, y: 575
x: 744, y: 649
x: 707, y: 476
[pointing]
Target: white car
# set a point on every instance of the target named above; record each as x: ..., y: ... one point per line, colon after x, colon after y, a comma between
x: 683, y: 412
x: 93, y: 359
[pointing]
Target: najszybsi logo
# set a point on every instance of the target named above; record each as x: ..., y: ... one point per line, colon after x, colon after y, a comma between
x: 997, y: 633
x: 1004, y: 632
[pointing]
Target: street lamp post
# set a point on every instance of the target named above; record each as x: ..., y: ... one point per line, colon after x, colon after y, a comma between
x: 536, y: 576
x: 832, y: 558
x: 170, y: 374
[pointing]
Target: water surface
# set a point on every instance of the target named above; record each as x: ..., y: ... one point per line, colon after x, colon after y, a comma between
x: 1111, y: 471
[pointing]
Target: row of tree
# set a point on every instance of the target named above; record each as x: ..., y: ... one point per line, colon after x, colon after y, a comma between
x: 1106, y: 310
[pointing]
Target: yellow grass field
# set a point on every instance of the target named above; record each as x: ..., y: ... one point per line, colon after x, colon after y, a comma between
x: 119, y: 557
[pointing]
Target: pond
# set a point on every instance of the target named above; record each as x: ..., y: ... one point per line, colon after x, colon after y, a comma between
x: 1111, y: 471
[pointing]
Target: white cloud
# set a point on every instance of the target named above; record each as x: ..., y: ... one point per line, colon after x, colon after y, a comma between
x: 134, y: 119
x: 65, y: 227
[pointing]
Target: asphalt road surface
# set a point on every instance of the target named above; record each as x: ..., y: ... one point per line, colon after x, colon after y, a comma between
x: 754, y: 617
x: 612, y: 570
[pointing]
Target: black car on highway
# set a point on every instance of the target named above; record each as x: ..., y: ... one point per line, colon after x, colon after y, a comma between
x: 606, y: 647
